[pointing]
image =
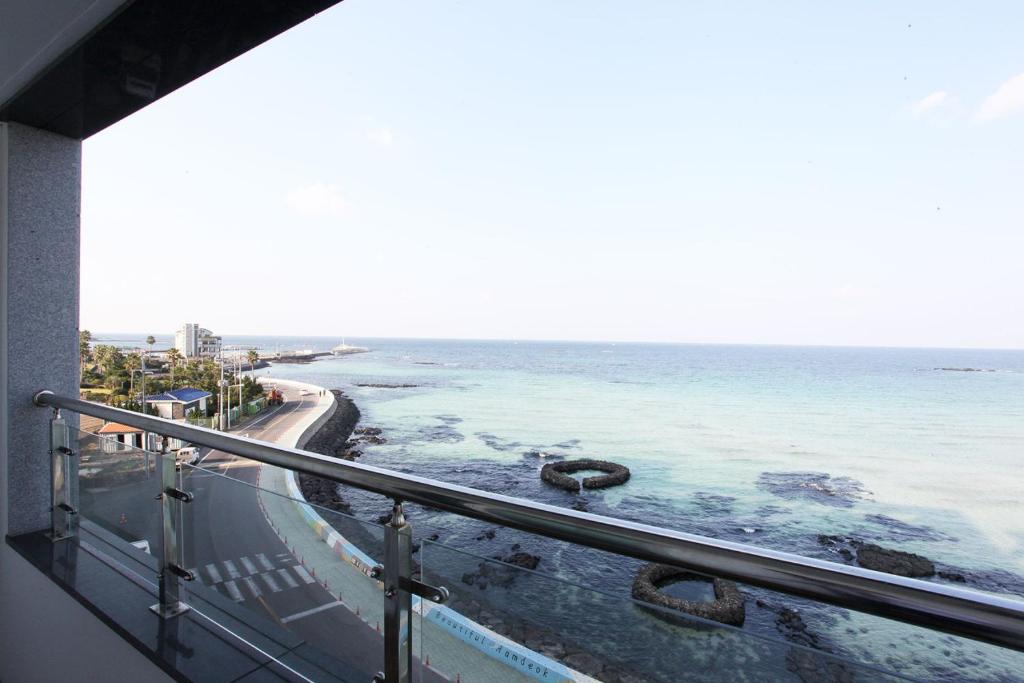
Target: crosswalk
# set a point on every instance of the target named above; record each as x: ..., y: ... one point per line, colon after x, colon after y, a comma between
x: 251, y: 576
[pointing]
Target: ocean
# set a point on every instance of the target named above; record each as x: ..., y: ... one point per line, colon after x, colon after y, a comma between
x: 912, y: 449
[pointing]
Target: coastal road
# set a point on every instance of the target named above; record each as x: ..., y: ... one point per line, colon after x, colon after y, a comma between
x: 232, y: 549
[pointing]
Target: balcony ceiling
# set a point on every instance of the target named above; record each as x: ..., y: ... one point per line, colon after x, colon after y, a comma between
x: 74, y: 67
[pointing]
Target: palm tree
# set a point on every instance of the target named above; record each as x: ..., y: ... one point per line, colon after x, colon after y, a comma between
x: 173, y: 356
x: 84, y: 337
x: 252, y: 357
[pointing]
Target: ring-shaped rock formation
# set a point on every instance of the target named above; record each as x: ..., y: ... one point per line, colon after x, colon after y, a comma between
x: 557, y: 474
x: 727, y: 607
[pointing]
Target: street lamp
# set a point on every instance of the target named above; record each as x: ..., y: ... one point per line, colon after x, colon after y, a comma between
x: 220, y: 397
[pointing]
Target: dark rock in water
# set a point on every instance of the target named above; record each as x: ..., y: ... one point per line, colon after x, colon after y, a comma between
x: 713, y: 503
x: 497, y: 443
x: 370, y: 435
x: 521, y: 559
x: 489, y: 535
x: 585, y: 663
x: 384, y: 519
x: 433, y: 537
x: 965, y: 369
x: 727, y: 607
x: 952, y: 576
x: 898, y: 530
x: 441, y: 433
x: 571, y: 443
x: 555, y: 473
x: 543, y: 455
x: 896, y: 562
x: 815, y: 486
x: 492, y: 574
x: 580, y: 505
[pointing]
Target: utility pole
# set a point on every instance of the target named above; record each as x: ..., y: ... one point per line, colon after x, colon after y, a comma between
x: 220, y: 394
x: 142, y: 364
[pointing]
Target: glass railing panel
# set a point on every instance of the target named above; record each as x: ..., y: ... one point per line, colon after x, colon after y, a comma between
x: 507, y: 623
x: 263, y: 554
x: 119, y: 485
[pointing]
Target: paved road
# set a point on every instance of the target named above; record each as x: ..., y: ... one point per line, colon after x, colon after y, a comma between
x: 233, y: 550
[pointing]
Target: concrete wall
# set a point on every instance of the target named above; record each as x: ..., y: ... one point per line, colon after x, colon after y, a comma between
x: 44, y: 634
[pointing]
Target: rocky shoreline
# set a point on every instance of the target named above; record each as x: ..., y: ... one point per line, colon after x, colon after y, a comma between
x: 332, y: 439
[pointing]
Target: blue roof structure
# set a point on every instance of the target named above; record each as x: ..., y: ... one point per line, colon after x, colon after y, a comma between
x: 183, y: 395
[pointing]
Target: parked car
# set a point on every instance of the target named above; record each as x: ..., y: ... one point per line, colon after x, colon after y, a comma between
x: 189, y: 455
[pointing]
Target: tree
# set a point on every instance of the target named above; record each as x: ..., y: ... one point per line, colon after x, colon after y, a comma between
x: 132, y: 362
x: 109, y: 358
x: 173, y: 357
x: 84, y: 352
x: 252, y: 356
x: 151, y: 340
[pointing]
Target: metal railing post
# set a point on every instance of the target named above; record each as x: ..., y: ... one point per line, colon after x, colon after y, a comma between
x: 64, y: 477
x: 171, y: 570
x: 398, y: 611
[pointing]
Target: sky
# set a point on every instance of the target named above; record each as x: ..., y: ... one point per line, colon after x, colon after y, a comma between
x: 733, y: 172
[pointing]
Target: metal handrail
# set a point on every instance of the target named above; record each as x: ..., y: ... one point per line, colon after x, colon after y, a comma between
x: 972, y: 614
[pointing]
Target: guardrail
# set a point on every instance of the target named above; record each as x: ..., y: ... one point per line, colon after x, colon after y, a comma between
x: 980, y: 616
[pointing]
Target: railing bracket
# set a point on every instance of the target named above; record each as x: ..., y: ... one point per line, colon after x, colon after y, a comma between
x: 438, y: 594
x: 182, y: 573
x: 67, y: 509
x: 178, y: 494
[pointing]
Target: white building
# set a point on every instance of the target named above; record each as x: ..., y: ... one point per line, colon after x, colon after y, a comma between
x: 193, y: 341
x: 176, y: 404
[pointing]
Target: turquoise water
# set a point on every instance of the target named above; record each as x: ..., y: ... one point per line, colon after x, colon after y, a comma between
x: 765, y: 445
x: 941, y: 451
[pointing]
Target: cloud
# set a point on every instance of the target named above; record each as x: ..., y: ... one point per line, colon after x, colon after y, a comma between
x: 317, y: 199
x: 1007, y: 100
x: 380, y: 135
x: 931, y: 102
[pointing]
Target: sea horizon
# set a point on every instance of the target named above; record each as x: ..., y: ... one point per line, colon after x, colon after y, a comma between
x: 168, y: 337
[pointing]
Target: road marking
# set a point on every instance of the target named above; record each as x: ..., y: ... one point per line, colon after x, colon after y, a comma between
x: 287, y: 578
x: 232, y: 569
x: 233, y: 591
x: 265, y: 562
x: 268, y: 579
x: 308, y: 612
x: 303, y: 574
x: 256, y: 592
x: 215, y: 576
x: 250, y: 568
